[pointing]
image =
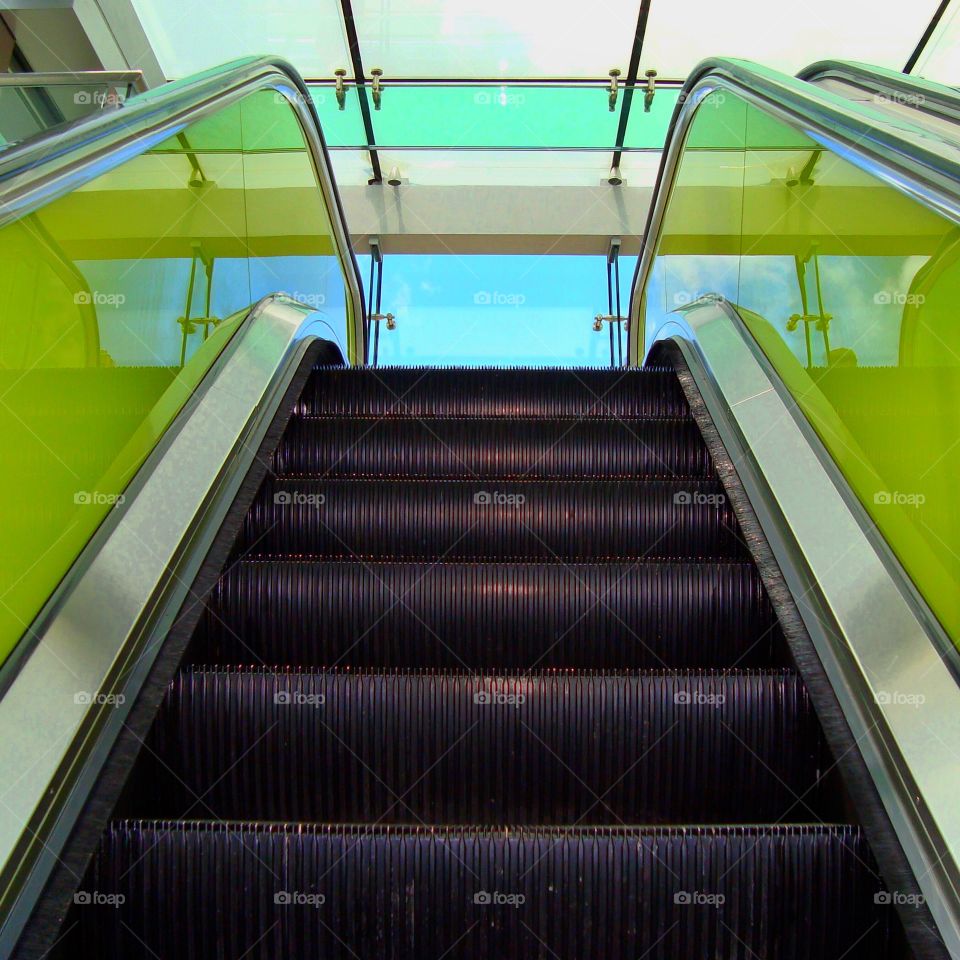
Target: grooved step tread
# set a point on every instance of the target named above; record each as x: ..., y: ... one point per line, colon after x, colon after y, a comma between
x: 448, y: 448
x: 480, y: 615
x: 459, y: 519
x: 510, y: 392
x: 508, y: 632
x: 454, y: 747
x: 200, y: 890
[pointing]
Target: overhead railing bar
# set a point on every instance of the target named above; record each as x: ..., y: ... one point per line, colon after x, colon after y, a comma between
x: 501, y: 82
x: 918, y: 796
x: 633, y: 71
x: 360, y: 82
x: 374, y: 314
x: 927, y: 34
x: 613, y: 317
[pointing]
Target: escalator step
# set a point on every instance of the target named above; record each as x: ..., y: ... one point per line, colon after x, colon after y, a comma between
x: 193, y: 891
x: 480, y: 615
x: 542, y: 748
x: 510, y: 392
x: 460, y: 519
x: 444, y: 448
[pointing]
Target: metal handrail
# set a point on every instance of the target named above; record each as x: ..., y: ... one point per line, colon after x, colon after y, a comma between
x: 40, y: 170
x: 916, y: 92
x: 78, y: 642
x: 901, y: 154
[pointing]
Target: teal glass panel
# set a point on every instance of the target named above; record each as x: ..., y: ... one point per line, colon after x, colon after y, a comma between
x: 504, y: 116
x: 341, y: 127
x: 649, y: 121
x: 496, y: 116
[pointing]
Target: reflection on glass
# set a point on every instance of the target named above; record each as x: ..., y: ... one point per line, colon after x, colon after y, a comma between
x: 26, y: 111
x: 850, y: 288
x: 116, y: 299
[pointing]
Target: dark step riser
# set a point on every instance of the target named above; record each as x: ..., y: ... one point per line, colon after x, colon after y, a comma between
x: 531, y: 520
x: 231, y: 891
x: 480, y: 616
x: 455, y: 449
x: 508, y: 393
x: 429, y: 748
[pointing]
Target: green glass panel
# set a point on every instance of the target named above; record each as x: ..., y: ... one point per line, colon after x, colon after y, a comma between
x: 106, y: 334
x: 495, y: 116
x: 649, y: 122
x: 850, y: 288
x: 341, y: 128
x: 268, y: 124
x: 721, y: 124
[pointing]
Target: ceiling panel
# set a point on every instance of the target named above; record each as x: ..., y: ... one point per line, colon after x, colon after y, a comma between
x: 531, y: 39
x: 488, y: 116
x: 495, y: 38
x: 784, y: 36
x: 940, y: 61
x: 188, y: 35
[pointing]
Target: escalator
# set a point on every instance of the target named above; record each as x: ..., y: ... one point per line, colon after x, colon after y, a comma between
x: 472, y: 662
x: 931, y: 105
x: 491, y: 671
